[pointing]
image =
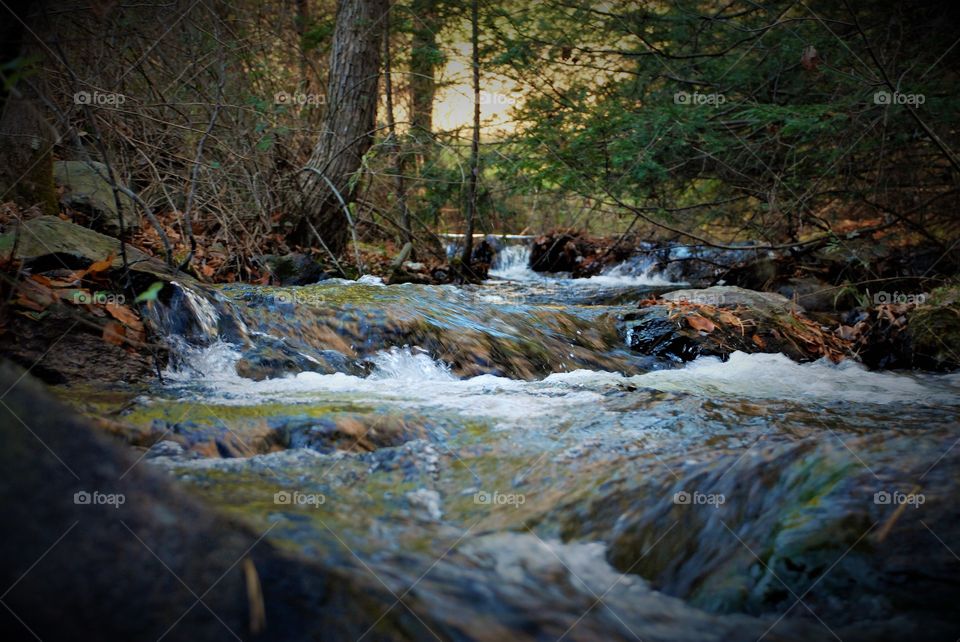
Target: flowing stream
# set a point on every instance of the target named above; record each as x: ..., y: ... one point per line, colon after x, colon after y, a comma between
x: 497, y: 457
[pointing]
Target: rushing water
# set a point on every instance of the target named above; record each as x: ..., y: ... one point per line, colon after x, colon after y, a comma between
x: 496, y: 457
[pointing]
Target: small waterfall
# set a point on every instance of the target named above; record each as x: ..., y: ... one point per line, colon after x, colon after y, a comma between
x: 513, y: 263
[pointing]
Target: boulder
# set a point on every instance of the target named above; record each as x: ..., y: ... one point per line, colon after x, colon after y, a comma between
x: 731, y: 296
x: 107, y: 547
x: 294, y: 269
x: 921, y: 335
x: 86, y: 190
x: 271, y: 358
x: 751, y: 532
x: 717, y: 321
x: 49, y: 241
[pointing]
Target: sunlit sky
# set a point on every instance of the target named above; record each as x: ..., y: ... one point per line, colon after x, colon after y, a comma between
x: 453, y: 105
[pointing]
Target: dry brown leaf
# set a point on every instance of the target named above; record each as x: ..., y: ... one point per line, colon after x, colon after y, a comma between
x: 34, y: 296
x: 113, y: 333
x: 98, y: 266
x: 848, y: 333
x: 758, y: 340
x: 125, y: 315
x: 698, y: 322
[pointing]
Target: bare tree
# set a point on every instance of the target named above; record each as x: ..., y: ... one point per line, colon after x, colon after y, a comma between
x: 398, y: 164
x: 475, y: 142
x: 328, y: 183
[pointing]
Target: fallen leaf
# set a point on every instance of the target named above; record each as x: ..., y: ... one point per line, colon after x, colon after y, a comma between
x: 125, y: 315
x: 758, y: 340
x: 848, y: 333
x: 98, y: 266
x: 113, y: 333
x: 698, y: 322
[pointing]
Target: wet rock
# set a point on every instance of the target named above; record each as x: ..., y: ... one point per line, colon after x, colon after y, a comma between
x: 270, y: 359
x: 165, y: 448
x: 560, y: 251
x: 348, y: 431
x: 87, y: 190
x: 750, y: 532
x: 59, y: 349
x: 717, y: 321
x: 294, y: 269
x: 732, y: 296
x: 75, y: 551
x: 816, y: 295
x: 910, y: 335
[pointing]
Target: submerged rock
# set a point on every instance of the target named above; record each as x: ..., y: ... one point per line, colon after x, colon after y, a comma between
x: 270, y: 359
x: 848, y: 526
x: 361, y: 320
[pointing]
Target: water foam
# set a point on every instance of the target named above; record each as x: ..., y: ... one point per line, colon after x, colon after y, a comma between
x: 774, y: 376
x: 513, y: 264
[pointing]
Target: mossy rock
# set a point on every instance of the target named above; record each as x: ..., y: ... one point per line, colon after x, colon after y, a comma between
x: 76, y: 246
x: 86, y: 190
x: 935, y: 336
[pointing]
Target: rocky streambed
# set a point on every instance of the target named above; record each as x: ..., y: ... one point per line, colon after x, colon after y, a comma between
x: 535, y: 457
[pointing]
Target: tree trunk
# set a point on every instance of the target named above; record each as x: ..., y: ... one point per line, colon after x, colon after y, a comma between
x: 423, y: 66
x: 349, y: 124
x: 399, y: 168
x: 475, y: 143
